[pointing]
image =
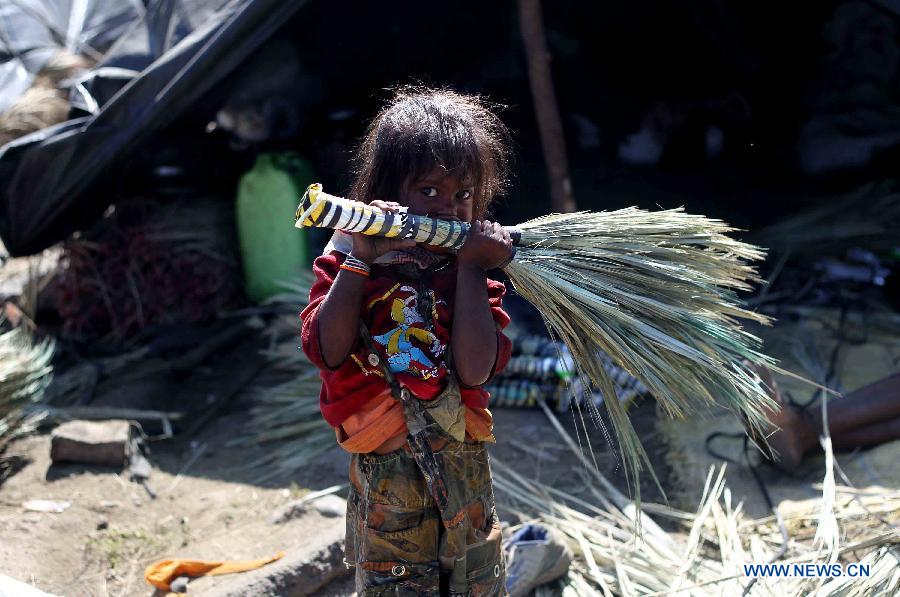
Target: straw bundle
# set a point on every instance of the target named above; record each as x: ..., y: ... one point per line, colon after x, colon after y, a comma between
x: 656, y: 291
x: 25, y: 373
x: 36, y: 109
x: 46, y: 102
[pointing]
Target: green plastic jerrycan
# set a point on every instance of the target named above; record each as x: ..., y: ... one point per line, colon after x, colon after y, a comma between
x: 272, y: 250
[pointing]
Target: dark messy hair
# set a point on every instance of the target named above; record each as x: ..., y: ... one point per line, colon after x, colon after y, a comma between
x: 421, y: 128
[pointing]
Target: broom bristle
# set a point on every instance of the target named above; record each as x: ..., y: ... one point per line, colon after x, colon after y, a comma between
x: 656, y: 292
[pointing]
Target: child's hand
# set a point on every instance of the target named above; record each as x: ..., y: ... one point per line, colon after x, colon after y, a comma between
x: 369, y: 248
x: 487, y: 246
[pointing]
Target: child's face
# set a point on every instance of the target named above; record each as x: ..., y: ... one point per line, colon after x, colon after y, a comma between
x: 440, y: 194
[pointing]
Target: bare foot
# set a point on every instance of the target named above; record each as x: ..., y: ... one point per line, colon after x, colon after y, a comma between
x: 789, y: 435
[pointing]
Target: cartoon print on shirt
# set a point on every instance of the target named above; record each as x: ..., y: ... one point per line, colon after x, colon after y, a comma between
x: 403, y: 344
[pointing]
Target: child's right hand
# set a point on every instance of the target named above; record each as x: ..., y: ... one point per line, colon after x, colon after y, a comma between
x: 369, y: 248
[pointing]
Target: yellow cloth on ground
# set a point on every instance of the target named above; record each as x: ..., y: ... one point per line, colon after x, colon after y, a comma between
x: 161, y: 574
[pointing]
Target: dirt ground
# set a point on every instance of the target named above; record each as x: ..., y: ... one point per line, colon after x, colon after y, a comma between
x: 205, y: 508
x: 208, y: 506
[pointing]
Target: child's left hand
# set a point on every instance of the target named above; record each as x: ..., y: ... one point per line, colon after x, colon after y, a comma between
x: 487, y: 246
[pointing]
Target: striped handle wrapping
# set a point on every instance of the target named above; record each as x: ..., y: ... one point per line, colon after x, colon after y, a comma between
x: 321, y: 210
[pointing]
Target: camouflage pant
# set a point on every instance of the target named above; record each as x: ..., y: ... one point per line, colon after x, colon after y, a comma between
x: 402, y: 544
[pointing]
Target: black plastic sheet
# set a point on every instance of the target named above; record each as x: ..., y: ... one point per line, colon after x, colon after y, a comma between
x: 56, y: 180
x: 32, y: 31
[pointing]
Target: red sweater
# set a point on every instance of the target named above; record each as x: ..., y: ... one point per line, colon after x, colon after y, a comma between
x: 415, y: 352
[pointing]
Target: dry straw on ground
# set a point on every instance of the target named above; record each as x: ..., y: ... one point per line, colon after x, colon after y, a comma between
x: 706, y: 555
x: 25, y: 373
x: 288, y: 410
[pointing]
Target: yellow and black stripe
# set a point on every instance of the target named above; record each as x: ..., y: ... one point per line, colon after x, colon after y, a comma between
x: 321, y: 210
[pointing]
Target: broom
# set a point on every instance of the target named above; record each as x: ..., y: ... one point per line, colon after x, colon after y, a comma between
x: 656, y: 291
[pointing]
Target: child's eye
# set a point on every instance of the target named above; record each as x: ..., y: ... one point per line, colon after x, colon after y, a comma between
x: 464, y: 195
x: 430, y: 192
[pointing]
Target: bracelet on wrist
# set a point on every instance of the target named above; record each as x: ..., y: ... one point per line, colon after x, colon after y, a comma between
x: 356, y: 265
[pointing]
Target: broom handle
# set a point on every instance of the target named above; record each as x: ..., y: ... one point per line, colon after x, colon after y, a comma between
x: 321, y: 210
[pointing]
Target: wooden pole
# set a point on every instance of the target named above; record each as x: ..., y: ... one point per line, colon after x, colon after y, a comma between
x: 545, y: 108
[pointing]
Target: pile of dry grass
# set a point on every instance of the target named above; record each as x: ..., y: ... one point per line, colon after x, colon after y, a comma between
x: 620, y: 551
x: 36, y: 109
x: 285, y: 417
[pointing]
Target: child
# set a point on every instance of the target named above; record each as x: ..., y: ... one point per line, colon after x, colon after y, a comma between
x: 405, y: 336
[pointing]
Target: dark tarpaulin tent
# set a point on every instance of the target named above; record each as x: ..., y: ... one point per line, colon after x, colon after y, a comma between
x: 169, y: 55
